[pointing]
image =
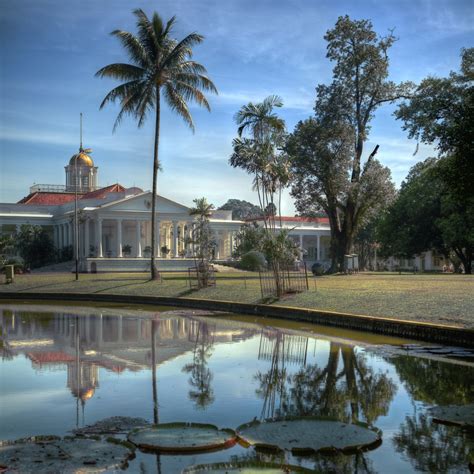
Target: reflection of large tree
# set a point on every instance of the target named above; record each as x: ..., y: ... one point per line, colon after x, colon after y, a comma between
x: 201, y: 376
x: 432, y: 447
x: 429, y: 446
x: 435, y: 382
x: 346, y: 388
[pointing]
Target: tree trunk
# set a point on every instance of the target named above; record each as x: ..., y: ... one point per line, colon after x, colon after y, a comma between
x: 154, y: 270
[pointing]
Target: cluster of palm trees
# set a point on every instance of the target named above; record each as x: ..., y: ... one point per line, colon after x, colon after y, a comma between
x: 261, y: 155
x: 162, y: 67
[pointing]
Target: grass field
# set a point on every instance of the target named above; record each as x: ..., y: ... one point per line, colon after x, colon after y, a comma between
x: 445, y: 299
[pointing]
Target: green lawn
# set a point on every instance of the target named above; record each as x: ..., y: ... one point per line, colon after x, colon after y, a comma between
x: 445, y: 299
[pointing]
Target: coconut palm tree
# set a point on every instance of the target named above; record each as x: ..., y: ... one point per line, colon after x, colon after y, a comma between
x: 159, y: 66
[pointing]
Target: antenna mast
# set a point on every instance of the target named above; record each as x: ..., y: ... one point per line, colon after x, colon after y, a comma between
x: 80, y: 146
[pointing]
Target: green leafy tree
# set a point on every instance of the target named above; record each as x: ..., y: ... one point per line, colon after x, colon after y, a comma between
x: 249, y: 237
x: 160, y: 66
x: 203, y: 238
x: 327, y: 151
x: 241, y: 210
x: 35, y: 246
x: 429, y: 214
x: 441, y: 112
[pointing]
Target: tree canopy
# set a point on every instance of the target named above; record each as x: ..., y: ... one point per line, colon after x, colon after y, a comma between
x: 241, y: 210
x: 326, y: 151
x: 429, y: 214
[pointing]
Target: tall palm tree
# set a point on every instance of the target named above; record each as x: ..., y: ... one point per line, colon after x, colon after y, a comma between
x: 257, y: 155
x: 259, y: 118
x: 160, y: 65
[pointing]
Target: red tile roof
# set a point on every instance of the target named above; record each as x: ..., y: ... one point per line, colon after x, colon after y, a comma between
x: 50, y: 357
x: 316, y: 220
x: 102, y: 192
x: 47, y: 199
x: 55, y: 199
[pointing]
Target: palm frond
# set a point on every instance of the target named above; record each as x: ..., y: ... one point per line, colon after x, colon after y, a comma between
x: 182, y: 49
x: 197, y: 80
x: 134, y: 48
x: 120, y: 92
x: 125, y: 72
x: 188, y: 92
x: 146, y: 34
x: 176, y: 103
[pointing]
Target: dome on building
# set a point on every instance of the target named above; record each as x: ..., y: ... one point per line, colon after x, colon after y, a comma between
x: 82, y: 160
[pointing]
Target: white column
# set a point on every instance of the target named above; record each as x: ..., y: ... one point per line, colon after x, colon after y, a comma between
x: 86, y: 238
x: 189, y: 237
x: 71, y: 233
x: 175, y: 239
x: 319, y: 248
x: 61, y: 236
x: 301, y: 241
x: 157, y: 239
x: 139, y: 238
x: 166, y: 233
x: 100, y: 252
x: 119, y: 238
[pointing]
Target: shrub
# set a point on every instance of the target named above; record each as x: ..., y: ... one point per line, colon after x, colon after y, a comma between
x: 253, y: 261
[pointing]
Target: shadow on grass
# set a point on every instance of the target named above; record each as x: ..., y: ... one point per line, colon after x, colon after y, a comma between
x: 43, y: 286
x: 122, y: 286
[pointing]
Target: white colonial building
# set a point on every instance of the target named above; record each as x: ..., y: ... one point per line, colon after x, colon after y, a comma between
x: 115, y: 223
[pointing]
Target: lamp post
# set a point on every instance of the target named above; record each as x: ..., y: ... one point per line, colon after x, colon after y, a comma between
x: 76, y: 223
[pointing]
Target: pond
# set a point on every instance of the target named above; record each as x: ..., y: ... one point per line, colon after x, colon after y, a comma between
x: 65, y: 367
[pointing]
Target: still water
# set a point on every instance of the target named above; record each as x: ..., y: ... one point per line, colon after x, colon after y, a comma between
x: 64, y: 367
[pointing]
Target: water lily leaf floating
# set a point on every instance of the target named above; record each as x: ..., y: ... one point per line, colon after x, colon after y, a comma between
x: 246, y: 467
x: 51, y: 454
x: 183, y: 438
x: 458, y: 415
x: 309, y: 435
x: 113, y: 424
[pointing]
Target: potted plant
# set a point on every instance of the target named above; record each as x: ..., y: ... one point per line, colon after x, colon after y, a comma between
x: 147, y: 251
x: 127, y: 250
x: 165, y: 251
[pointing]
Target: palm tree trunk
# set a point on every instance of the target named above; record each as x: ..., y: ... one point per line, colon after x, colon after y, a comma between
x: 154, y: 270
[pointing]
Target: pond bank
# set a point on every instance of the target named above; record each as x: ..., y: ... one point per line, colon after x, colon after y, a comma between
x: 388, y: 326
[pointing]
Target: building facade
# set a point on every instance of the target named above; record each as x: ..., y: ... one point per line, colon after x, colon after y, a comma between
x: 114, y: 224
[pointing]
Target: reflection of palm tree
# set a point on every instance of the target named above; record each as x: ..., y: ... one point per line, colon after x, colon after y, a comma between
x: 201, y: 375
x: 5, y: 349
x: 154, y: 326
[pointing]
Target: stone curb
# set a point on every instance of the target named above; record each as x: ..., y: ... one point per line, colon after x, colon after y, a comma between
x: 391, y: 327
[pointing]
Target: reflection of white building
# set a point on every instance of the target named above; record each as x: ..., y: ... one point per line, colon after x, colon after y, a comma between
x: 115, y: 223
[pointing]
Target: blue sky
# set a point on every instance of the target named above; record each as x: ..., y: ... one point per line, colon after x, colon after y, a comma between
x: 50, y: 50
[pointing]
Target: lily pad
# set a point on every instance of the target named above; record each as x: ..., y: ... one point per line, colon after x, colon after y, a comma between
x: 68, y: 455
x: 309, y: 435
x: 254, y: 467
x: 183, y: 437
x: 114, y: 425
x: 459, y: 415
